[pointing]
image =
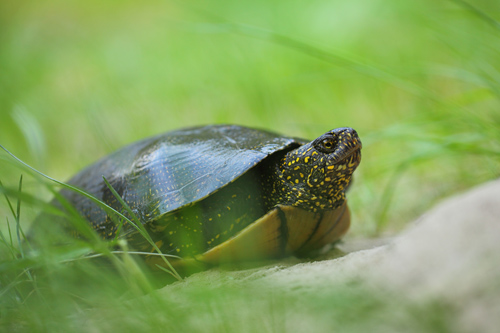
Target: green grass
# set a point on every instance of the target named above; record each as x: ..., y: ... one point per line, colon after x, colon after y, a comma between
x: 418, y: 80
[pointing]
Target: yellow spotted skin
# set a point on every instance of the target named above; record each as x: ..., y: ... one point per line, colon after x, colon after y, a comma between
x: 316, y: 175
x: 198, y: 190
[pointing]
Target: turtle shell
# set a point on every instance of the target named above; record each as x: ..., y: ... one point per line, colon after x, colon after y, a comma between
x: 214, y: 193
x: 164, y: 173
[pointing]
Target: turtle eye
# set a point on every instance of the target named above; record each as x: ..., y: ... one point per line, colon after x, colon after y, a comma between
x: 327, y: 145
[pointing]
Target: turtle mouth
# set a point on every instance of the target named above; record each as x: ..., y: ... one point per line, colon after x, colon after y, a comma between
x: 346, y: 164
x: 352, y: 154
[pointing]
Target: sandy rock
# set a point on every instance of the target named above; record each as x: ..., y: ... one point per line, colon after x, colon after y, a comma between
x: 453, y: 250
x: 452, y: 253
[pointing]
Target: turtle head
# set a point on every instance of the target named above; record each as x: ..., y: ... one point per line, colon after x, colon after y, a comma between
x: 317, y: 174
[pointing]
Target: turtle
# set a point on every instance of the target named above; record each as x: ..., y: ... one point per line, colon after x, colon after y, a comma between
x: 225, y: 193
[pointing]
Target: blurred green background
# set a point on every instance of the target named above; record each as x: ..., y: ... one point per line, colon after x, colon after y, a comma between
x: 419, y: 80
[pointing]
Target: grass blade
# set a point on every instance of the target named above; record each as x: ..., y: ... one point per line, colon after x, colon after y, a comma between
x: 138, y: 225
x: 97, y: 255
x: 479, y: 13
x: 101, y: 204
x: 85, y: 226
x: 9, y: 246
x: 8, y: 201
x: 18, y: 218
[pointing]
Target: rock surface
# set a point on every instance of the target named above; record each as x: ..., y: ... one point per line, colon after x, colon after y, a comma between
x: 450, y: 254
